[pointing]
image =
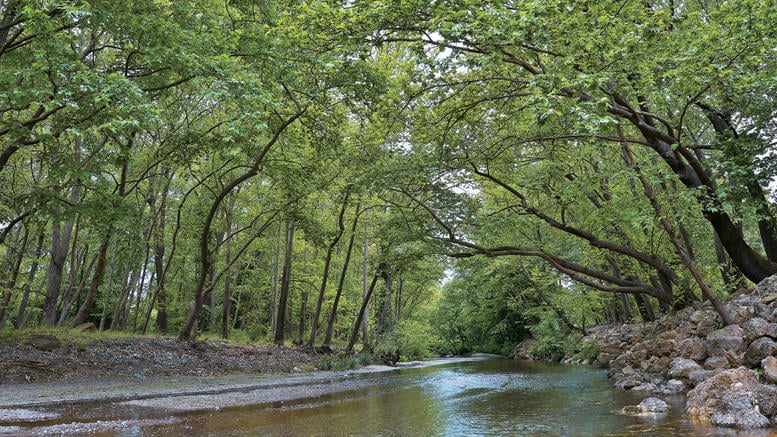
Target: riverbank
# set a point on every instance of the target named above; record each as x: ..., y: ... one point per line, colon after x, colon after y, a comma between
x: 35, y: 357
x: 728, y: 373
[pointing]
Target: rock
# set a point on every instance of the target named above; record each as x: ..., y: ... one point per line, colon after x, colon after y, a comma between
x: 739, y: 410
x: 759, y: 349
x: 698, y: 376
x: 741, y: 313
x: 754, y: 328
x: 664, y: 347
x: 647, y: 387
x: 682, y: 367
x: 694, y: 348
x: 521, y: 351
x: 768, y: 299
x: 766, y: 287
x: 44, y: 342
x: 726, y: 339
x: 759, y: 327
x: 653, y: 405
x: 629, y: 382
x: 769, y: 366
x: 716, y: 362
x: 86, y: 327
x: 734, y: 397
x: 648, y: 407
x: 674, y: 386
x: 660, y: 365
x: 702, y: 322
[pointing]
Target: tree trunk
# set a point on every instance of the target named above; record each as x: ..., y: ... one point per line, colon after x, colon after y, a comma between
x: 60, y: 241
x: 366, y: 287
x: 333, y: 316
x: 227, y: 301
x: 690, y: 172
x: 285, y: 282
x: 91, y: 296
x: 20, y: 318
x: 362, y: 313
x: 386, y: 301
x: 686, y: 260
x: 85, y: 272
x: 205, y: 259
x: 12, y: 266
x: 325, y: 274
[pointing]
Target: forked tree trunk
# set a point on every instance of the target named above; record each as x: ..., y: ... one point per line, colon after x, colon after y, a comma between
x: 330, y: 329
x: 285, y: 283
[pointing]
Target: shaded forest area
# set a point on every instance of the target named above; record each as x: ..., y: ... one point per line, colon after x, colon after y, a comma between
x: 392, y: 176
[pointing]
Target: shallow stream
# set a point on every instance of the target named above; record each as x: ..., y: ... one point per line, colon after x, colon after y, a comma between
x: 495, y: 397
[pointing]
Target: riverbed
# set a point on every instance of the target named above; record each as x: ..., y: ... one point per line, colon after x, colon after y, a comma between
x: 488, y: 397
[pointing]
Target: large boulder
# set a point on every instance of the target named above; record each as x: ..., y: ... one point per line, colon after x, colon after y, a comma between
x: 680, y: 368
x: 766, y: 287
x: 769, y: 366
x: 759, y: 349
x: 44, y: 342
x: 759, y: 327
x: 716, y: 362
x: 739, y: 410
x: 702, y: 322
x: 734, y: 397
x: 754, y: 328
x: 727, y: 339
x: 693, y: 348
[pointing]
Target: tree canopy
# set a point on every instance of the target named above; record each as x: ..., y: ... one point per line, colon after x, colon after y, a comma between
x: 322, y: 171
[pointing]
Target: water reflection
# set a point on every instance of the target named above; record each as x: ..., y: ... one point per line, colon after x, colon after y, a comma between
x: 494, y: 397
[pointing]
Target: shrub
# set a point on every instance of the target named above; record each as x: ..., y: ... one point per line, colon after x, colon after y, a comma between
x: 589, y: 350
x: 414, y: 340
x: 552, y: 341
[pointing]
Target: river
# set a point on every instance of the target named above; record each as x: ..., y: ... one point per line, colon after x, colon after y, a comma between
x: 494, y: 397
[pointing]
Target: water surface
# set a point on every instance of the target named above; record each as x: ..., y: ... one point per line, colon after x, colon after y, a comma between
x: 481, y: 398
x: 495, y: 397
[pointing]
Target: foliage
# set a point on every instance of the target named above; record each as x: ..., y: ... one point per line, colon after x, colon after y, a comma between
x: 151, y: 153
x: 343, y: 361
x: 552, y: 341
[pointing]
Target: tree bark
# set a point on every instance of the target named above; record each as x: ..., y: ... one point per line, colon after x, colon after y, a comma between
x: 91, y: 296
x: 11, y: 268
x: 333, y: 316
x: 362, y: 313
x: 60, y: 242
x: 20, y: 318
x: 366, y: 288
x: 285, y: 283
x: 327, y: 266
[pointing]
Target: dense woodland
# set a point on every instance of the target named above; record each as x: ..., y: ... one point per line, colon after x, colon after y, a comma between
x: 389, y: 175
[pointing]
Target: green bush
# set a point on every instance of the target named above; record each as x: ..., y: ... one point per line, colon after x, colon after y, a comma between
x: 589, y: 350
x: 414, y: 340
x: 343, y: 362
x: 552, y: 341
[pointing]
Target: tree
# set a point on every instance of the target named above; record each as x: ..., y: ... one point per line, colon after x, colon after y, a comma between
x: 540, y: 64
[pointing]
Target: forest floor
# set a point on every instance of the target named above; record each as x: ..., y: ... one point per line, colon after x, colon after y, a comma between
x: 43, y: 357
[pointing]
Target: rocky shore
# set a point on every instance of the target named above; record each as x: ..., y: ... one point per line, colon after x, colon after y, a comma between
x: 729, y: 374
